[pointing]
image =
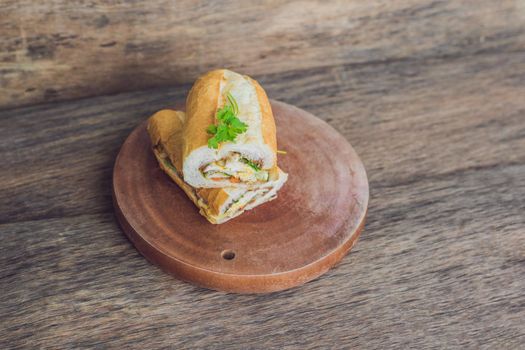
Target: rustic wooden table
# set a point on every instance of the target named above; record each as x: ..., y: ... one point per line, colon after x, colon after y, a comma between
x: 440, y: 264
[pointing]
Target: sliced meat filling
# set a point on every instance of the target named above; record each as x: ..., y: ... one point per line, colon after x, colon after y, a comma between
x: 248, y: 197
x: 235, y: 168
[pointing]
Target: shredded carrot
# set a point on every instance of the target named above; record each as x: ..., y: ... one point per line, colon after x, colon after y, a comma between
x: 234, y: 180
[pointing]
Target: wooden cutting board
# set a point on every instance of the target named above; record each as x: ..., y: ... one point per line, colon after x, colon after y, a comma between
x: 314, y: 222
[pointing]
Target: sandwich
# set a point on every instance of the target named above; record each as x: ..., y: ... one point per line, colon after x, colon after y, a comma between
x: 218, y: 205
x: 229, y: 133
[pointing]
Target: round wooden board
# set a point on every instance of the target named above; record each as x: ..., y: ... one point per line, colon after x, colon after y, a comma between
x: 312, y: 224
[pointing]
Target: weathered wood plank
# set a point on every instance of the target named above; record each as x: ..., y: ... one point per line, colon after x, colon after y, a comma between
x: 405, y: 121
x: 439, y: 266
x: 429, y: 94
x: 55, y: 50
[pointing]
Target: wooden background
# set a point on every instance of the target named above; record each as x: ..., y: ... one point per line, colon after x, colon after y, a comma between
x: 430, y: 94
x: 60, y: 49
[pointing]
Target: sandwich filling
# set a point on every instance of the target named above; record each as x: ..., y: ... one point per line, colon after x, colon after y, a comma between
x: 237, y: 203
x: 239, y: 199
x: 235, y: 168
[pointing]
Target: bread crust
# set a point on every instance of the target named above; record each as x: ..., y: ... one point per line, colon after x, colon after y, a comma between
x: 201, y: 107
x: 202, y: 104
x: 165, y: 128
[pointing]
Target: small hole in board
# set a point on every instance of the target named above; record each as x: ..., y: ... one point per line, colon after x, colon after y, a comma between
x: 228, y: 254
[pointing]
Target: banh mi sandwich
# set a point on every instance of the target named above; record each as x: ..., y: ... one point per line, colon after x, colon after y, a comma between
x: 229, y: 134
x: 218, y: 205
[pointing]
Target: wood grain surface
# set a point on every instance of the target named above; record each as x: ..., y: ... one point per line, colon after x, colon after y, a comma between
x: 314, y: 222
x: 441, y: 262
x: 61, y: 49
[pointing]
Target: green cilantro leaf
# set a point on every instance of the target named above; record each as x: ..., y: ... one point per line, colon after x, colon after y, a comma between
x: 213, y: 143
x: 251, y: 164
x: 212, y: 129
x: 228, y: 125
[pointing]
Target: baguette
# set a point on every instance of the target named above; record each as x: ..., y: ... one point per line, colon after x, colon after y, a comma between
x: 217, y: 205
x: 248, y: 159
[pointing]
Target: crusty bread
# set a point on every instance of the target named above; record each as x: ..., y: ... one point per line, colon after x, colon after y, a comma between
x: 206, y: 96
x: 165, y: 128
x: 218, y: 205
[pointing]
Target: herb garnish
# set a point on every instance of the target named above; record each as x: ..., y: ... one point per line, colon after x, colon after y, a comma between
x: 251, y: 164
x: 228, y: 125
x: 168, y: 163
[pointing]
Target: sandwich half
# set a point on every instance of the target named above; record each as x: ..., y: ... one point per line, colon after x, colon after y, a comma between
x: 218, y: 205
x: 229, y: 133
